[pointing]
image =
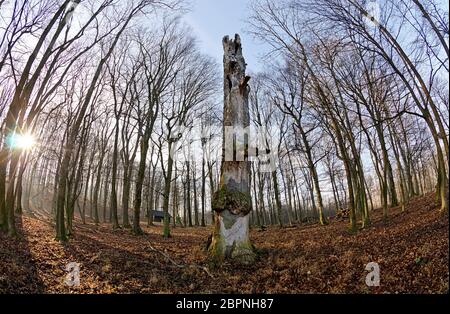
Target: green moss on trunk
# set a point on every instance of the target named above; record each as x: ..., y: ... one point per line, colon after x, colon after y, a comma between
x: 216, y: 249
x: 231, y: 200
x: 243, y: 253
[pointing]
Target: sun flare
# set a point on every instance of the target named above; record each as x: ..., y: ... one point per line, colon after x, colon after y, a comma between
x: 24, y: 141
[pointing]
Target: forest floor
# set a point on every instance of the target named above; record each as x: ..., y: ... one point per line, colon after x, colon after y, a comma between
x: 412, y: 249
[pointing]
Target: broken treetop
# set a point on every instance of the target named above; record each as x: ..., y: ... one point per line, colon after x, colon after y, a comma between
x: 234, y: 63
x: 233, y: 51
x: 234, y: 191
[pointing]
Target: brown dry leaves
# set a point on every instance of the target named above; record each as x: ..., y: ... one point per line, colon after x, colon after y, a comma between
x: 411, y: 249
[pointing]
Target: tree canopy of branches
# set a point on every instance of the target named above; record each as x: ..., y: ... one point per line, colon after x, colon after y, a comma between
x: 365, y: 86
x: 110, y: 112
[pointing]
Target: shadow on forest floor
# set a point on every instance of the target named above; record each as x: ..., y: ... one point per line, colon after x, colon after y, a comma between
x: 19, y: 272
x: 411, y: 249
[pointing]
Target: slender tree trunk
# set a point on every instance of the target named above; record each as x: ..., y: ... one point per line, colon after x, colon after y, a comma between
x: 276, y: 191
x: 3, y: 223
x: 105, y: 192
x: 194, y: 181
x: 174, y: 199
x: 97, y: 188
x: 257, y: 200
x: 10, y: 194
x: 185, y: 200
x: 115, y: 156
x: 211, y: 187
x: 189, y: 202
x: 166, y: 195
x: 288, y: 203
x: 151, y: 198
x: 203, y: 187
x: 126, y: 196
x: 138, y: 187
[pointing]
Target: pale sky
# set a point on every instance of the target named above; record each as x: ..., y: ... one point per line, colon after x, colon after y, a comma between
x: 211, y: 20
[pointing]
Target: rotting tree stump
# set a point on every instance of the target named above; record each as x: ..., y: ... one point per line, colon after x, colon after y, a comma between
x: 232, y: 201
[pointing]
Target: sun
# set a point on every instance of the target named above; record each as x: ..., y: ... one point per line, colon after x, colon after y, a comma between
x: 24, y: 141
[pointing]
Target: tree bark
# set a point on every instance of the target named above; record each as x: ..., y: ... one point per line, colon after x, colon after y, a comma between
x: 232, y: 201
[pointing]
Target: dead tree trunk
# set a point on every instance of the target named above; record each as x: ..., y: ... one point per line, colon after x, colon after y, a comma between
x: 232, y: 201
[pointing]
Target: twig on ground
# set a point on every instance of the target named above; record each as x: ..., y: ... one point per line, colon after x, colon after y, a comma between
x: 205, y: 269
